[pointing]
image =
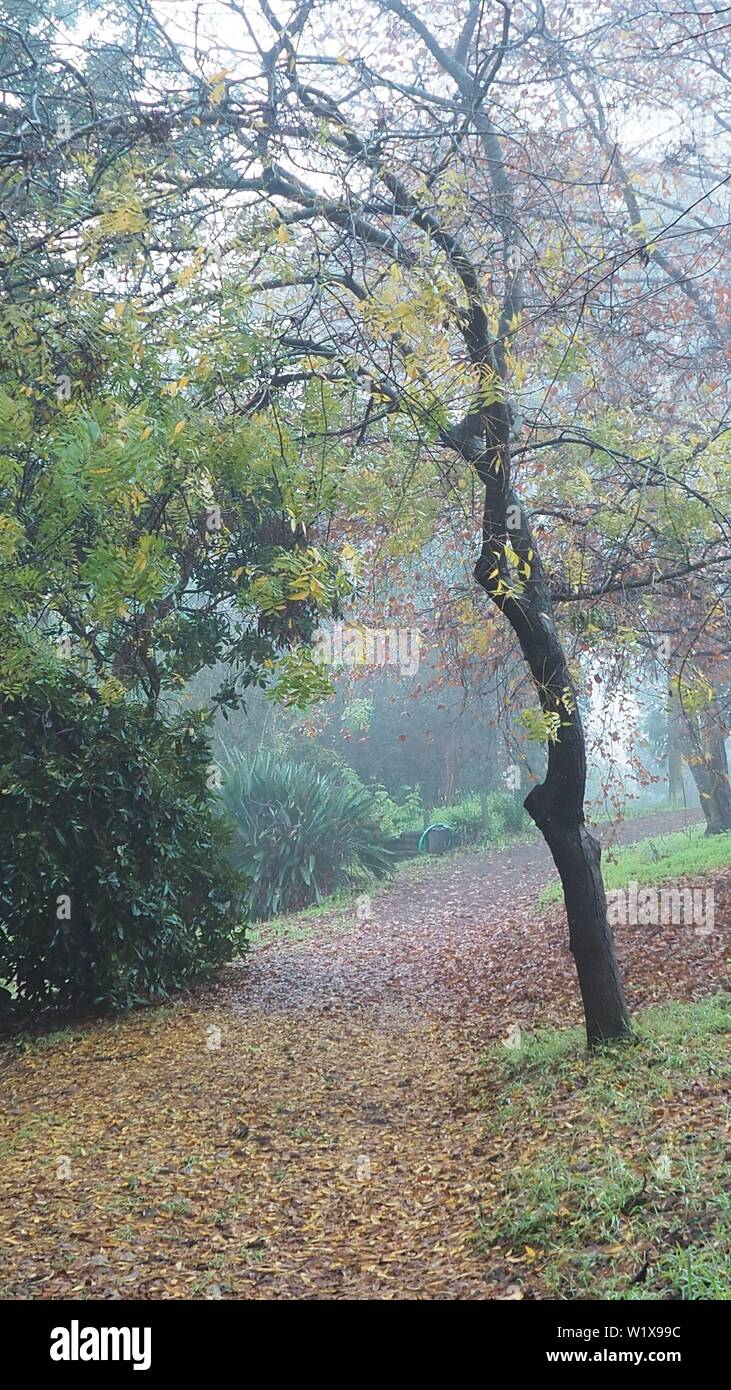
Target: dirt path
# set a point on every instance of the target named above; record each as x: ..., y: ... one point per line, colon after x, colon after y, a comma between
x: 314, y: 1126
x: 436, y: 945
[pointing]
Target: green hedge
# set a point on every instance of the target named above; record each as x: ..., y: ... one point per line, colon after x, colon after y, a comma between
x: 115, y: 886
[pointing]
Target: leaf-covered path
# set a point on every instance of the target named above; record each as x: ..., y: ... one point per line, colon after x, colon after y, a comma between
x: 314, y: 1126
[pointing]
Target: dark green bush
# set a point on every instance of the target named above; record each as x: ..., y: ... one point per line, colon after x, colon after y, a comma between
x: 300, y: 833
x: 105, y: 811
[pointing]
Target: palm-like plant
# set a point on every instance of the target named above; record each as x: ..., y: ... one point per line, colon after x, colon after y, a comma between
x: 298, y: 833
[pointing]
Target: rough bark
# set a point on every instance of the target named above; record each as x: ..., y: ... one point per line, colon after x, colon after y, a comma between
x: 557, y: 804
x: 706, y: 757
x: 557, y: 807
x: 577, y: 856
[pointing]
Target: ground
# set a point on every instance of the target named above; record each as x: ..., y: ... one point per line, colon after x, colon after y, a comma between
x: 324, y: 1122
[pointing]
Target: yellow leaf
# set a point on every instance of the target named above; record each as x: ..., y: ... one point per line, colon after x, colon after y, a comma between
x: 217, y: 84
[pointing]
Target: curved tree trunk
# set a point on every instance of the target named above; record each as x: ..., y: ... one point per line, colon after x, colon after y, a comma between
x: 577, y: 856
x: 706, y: 758
x: 557, y: 804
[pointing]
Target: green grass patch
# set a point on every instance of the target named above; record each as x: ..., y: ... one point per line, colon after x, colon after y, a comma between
x: 657, y: 859
x: 614, y: 1166
x: 299, y: 926
x: 600, y: 814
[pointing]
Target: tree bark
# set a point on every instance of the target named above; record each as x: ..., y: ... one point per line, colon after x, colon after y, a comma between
x: 675, y: 748
x: 577, y: 856
x: 706, y: 757
x: 556, y: 805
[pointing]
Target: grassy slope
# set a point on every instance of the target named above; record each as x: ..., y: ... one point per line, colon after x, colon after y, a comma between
x: 658, y: 859
x: 615, y: 1179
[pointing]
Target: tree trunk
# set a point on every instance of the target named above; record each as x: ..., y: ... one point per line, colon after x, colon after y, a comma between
x: 577, y: 856
x: 556, y: 805
x: 509, y: 567
x: 706, y: 757
x: 449, y: 779
x: 675, y: 747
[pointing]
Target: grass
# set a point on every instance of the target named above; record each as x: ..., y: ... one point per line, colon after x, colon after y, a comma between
x: 658, y: 859
x: 299, y: 926
x: 599, y: 813
x: 615, y: 1185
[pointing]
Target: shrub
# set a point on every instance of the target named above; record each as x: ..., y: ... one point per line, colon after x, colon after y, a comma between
x: 407, y: 814
x: 465, y: 818
x: 115, y: 886
x: 392, y: 815
x: 505, y: 816
x: 300, y: 833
